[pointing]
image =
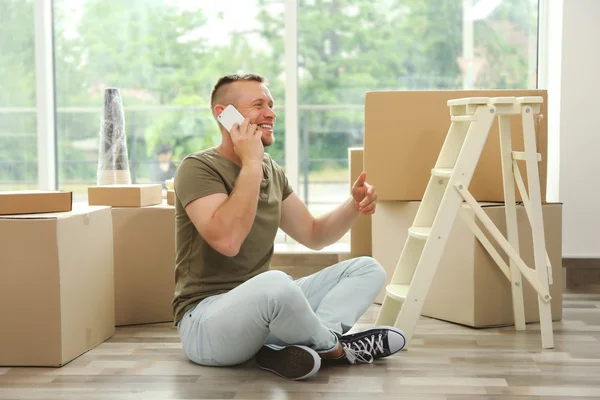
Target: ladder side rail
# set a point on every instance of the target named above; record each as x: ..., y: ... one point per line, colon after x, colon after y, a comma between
x: 437, y: 185
x: 527, y: 205
x: 449, y: 208
x: 510, y: 208
x: 537, y: 222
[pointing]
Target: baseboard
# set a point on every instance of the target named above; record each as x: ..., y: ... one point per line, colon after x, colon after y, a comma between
x: 582, y: 274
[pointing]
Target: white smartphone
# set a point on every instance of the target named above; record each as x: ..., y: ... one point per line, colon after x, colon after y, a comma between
x: 230, y: 116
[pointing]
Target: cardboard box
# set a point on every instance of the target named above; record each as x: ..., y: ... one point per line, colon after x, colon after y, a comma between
x: 134, y: 195
x: 144, y: 264
x: 360, y: 232
x: 405, y: 131
x: 56, y: 286
x: 35, y: 201
x: 469, y: 288
x: 171, y: 197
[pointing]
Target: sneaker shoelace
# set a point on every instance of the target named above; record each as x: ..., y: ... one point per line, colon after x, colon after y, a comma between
x: 363, y: 351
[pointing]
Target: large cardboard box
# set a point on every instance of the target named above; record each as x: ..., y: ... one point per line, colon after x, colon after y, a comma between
x: 405, y: 131
x: 35, y: 201
x: 469, y: 288
x: 144, y: 264
x: 360, y: 232
x: 56, y: 286
x: 133, y: 195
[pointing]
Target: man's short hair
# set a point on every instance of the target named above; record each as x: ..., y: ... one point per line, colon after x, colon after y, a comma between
x: 228, y: 79
x: 163, y: 148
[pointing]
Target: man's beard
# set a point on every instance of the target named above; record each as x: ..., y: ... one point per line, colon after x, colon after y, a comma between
x: 268, y: 141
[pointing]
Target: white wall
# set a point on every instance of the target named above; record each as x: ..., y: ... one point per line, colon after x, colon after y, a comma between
x: 549, y: 71
x: 578, y: 91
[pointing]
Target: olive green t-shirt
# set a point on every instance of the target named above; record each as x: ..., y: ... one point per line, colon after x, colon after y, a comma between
x: 201, y: 271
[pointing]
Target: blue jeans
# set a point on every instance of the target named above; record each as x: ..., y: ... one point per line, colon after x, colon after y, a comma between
x: 272, y: 308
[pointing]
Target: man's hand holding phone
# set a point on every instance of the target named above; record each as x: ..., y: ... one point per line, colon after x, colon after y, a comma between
x: 247, y: 142
x: 246, y: 137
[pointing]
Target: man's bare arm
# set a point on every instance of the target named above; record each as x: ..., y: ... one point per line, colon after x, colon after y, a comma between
x: 316, y: 233
x: 224, y: 222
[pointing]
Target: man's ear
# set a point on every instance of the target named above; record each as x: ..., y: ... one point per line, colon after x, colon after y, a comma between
x: 218, y: 109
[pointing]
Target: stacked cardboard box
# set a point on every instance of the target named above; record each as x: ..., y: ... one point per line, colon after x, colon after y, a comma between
x: 132, y: 195
x: 144, y: 240
x: 469, y: 288
x: 404, y: 133
x: 35, y: 201
x: 144, y: 251
x: 94, y: 267
x: 56, y: 280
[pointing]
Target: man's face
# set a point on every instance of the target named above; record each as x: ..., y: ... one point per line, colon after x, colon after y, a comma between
x: 165, y: 157
x: 253, y: 100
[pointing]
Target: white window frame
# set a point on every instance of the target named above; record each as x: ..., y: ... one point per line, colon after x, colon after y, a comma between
x: 45, y: 91
x: 549, y: 78
x: 291, y: 92
x: 291, y: 101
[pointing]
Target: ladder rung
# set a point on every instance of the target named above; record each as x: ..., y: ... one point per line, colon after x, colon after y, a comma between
x: 462, y: 118
x: 520, y: 155
x: 419, y: 232
x: 468, y: 100
x: 397, y: 292
x: 442, y: 172
x: 530, y: 100
x: 503, y: 100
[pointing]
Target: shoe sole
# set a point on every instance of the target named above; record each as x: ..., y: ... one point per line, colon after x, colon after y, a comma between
x: 291, y: 362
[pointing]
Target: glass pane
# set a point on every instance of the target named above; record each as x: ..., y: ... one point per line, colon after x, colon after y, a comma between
x: 18, y: 117
x: 164, y: 56
x: 346, y: 48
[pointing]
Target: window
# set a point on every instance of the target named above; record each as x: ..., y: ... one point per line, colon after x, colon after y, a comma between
x: 18, y: 117
x: 346, y: 48
x: 164, y: 57
x: 320, y: 56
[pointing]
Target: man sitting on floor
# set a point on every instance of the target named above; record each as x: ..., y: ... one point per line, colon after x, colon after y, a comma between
x: 228, y: 305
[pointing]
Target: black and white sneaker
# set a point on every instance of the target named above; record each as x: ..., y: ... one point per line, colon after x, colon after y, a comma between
x: 292, y: 362
x: 374, y: 343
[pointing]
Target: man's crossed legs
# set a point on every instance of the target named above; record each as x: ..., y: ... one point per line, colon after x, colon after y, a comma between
x: 289, y: 326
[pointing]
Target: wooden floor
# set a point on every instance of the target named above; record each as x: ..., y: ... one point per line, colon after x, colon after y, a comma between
x: 445, y: 361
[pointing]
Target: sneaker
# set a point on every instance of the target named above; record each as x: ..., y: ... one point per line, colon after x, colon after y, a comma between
x: 292, y: 362
x: 374, y: 343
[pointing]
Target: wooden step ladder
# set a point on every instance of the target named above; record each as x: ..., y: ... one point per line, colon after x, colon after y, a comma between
x: 447, y: 192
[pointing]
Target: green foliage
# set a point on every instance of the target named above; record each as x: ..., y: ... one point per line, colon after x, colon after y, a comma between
x: 18, y: 139
x: 186, y: 130
x: 152, y: 52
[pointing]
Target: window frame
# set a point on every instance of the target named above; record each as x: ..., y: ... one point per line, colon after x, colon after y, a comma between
x: 45, y: 94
